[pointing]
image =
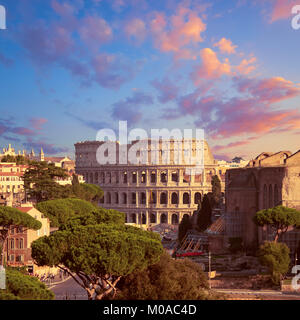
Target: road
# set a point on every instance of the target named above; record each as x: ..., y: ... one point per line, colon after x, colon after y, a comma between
x: 69, y: 290
x: 264, y: 294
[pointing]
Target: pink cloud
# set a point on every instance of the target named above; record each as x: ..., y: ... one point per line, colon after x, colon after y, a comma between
x: 226, y: 46
x: 136, y: 29
x: 167, y: 90
x: 95, y: 31
x: 269, y: 90
x: 246, y: 66
x: 211, y: 67
x: 281, y: 9
x: 37, y: 123
x: 183, y: 29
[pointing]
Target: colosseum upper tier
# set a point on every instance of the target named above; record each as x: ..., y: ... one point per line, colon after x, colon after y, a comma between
x: 150, y: 193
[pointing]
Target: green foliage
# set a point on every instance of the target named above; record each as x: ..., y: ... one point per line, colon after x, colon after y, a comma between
x: 204, y: 216
x: 167, y: 279
x: 275, y: 256
x: 99, y: 249
x: 98, y: 245
x: 59, y: 211
x: 235, y: 244
x: 39, y: 181
x: 279, y: 218
x: 12, y: 216
x: 23, y: 287
x: 70, y: 212
x: 89, y: 192
x: 184, y: 226
x: 216, y: 191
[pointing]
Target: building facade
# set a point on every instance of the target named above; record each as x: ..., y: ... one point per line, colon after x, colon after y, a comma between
x: 18, y: 245
x: 148, y: 194
x: 269, y: 180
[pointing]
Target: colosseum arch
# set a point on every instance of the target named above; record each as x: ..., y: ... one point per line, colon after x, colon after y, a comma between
x: 116, y: 198
x: 174, y: 198
x: 143, y: 198
x: 102, y: 178
x: 134, y: 177
x: 108, y: 198
x: 144, y: 219
x: 175, y: 218
x: 153, y: 177
x: 163, y: 218
x: 152, y: 199
x: 174, y: 176
x: 108, y: 174
x: 133, y: 218
x: 163, y: 198
x: 163, y: 176
x: 152, y: 218
x: 133, y: 198
x: 124, y: 198
x: 143, y: 177
x: 186, y: 198
x: 197, y: 198
x: 186, y: 215
x: 124, y: 177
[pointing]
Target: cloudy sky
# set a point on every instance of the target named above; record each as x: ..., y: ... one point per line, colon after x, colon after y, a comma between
x: 71, y: 68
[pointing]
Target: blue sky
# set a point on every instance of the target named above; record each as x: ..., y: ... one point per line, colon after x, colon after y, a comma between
x: 71, y: 68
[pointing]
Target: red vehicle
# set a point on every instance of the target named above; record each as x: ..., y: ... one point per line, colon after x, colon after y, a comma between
x: 189, y: 254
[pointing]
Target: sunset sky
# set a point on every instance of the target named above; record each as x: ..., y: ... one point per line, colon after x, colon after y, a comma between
x: 71, y: 68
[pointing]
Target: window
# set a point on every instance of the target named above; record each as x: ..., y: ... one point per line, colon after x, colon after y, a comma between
x: 174, y: 176
x: 125, y: 177
x: 174, y: 218
x: 174, y: 199
x: 163, y: 198
x: 124, y: 196
x: 152, y: 218
x: 12, y: 243
x: 133, y: 198
x: 186, y: 198
x: 197, y: 198
x: 143, y: 198
x: 163, y: 218
x: 152, y: 198
x: 143, y: 177
x: 108, y: 198
x: 163, y: 177
x: 134, y: 175
x: 153, y: 177
x: 133, y: 218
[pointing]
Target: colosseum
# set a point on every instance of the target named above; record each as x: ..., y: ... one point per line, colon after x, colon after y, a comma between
x: 148, y: 194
